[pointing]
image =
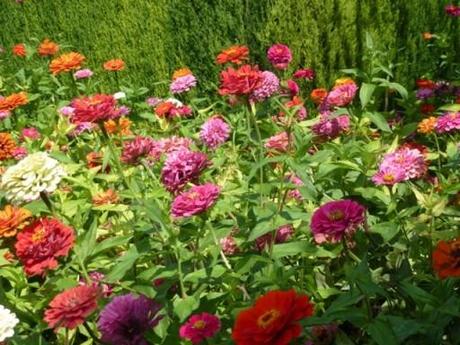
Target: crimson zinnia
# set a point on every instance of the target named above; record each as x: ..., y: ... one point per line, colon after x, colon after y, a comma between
x: 273, y: 320
x: 241, y: 81
x: 446, y: 259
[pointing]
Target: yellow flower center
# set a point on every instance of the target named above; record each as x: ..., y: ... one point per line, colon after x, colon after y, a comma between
x: 335, y: 215
x: 268, y: 318
x: 388, y: 178
x: 38, y: 235
x: 200, y: 324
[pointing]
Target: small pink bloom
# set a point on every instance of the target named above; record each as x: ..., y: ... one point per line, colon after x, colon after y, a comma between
x: 30, y: 133
x: 342, y: 95
x: 83, y: 74
x: 306, y: 73
x: 200, y: 327
x: 278, y: 142
x: 268, y: 87
x: 19, y: 153
x: 280, y: 56
x: 283, y: 234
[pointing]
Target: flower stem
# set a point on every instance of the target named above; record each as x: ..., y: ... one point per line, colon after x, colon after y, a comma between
x: 180, y: 273
x: 47, y: 202
x: 92, y: 334
x: 253, y: 118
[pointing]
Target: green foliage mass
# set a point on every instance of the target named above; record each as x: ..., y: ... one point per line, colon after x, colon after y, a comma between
x: 156, y: 37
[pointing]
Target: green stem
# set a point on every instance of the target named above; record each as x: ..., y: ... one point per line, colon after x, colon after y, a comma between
x: 47, y: 202
x: 92, y: 334
x: 180, y: 273
x: 439, y: 151
x: 253, y: 118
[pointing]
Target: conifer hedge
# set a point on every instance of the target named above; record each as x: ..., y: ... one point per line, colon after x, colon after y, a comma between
x: 156, y: 36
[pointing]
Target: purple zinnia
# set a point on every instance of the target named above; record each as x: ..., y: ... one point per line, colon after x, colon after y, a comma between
x: 214, y: 132
x: 336, y: 219
x: 448, y: 123
x: 181, y: 167
x: 194, y: 201
x: 136, y: 149
x: 330, y: 128
x: 424, y: 93
x: 279, y: 55
x: 83, y: 74
x: 269, y: 86
x: 183, y: 84
x: 126, y: 319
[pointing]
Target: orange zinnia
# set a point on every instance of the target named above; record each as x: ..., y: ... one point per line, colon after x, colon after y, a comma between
x: 19, y: 50
x: 427, y: 126
x: 318, y: 95
x: 235, y: 54
x: 114, y: 65
x: 12, y: 219
x: 427, y: 36
x: 181, y: 72
x: 7, y: 146
x: 48, y: 48
x: 105, y: 198
x: 446, y: 259
x: 123, y: 126
x: 13, y: 101
x: 66, y: 63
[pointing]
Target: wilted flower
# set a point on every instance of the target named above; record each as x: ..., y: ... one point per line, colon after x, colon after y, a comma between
x: 228, y: 245
x: 37, y: 173
x: 242, y: 81
x: 306, y: 73
x: 48, y: 48
x: 336, y: 220
x: 200, y: 327
x: 427, y: 36
x: 19, y: 50
x: 8, y: 321
x: 83, y: 73
x: 106, y: 198
x: 114, y: 65
x: 279, y: 55
x: 96, y: 279
x: 330, y: 128
x: 194, y: 201
x: 269, y: 86
x: 183, y: 84
x: 236, y: 54
x: 66, y: 63
x: 7, y: 146
x: 215, y: 132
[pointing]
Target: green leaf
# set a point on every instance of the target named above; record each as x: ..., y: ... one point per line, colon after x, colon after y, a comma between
x: 382, y: 333
x: 123, y: 265
x: 365, y: 93
x: 378, y: 120
x: 110, y: 243
x: 266, y: 226
x: 88, y: 241
x: 387, y: 230
x: 183, y: 307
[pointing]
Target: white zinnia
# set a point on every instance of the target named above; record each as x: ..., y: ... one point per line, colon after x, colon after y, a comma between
x: 175, y: 101
x: 7, y: 322
x: 119, y: 95
x: 34, y: 174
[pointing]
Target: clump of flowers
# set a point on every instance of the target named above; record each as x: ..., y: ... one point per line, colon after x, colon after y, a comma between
x: 48, y: 48
x: 181, y: 167
x: 41, y: 243
x: 274, y: 319
x: 268, y: 87
x: 12, y: 220
x: 7, y: 146
x: 114, y: 65
x: 70, y: 308
x: 94, y: 109
x: 8, y: 321
x: 200, y: 327
x: 182, y: 83
x: 66, y: 63
x: 336, y: 220
x: 171, y: 108
x: 448, y: 122
x: 236, y: 54
x: 242, y: 81
x: 127, y: 318
x: 37, y: 173
x: 279, y: 56
x: 446, y: 259
x: 194, y: 201
x: 214, y: 132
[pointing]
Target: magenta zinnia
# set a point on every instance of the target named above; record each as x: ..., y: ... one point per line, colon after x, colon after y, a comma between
x: 194, y: 201
x: 214, y: 132
x: 279, y: 55
x: 200, y: 327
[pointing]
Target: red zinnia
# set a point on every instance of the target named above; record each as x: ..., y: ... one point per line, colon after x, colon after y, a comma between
x: 70, y: 308
x: 94, y: 109
x: 425, y: 84
x: 446, y: 259
x: 40, y: 244
x: 235, y: 54
x: 19, y: 50
x: 273, y: 320
x: 241, y: 81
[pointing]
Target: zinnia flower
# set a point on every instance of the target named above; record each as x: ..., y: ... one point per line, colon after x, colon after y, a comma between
x: 336, y: 219
x: 318, y: 95
x: 306, y: 73
x: 427, y: 126
x: 342, y: 95
x: 279, y: 142
x: 66, y: 63
x: 389, y: 175
x: 269, y: 86
x: 126, y: 319
x: 409, y: 161
x: 214, y: 132
x: 194, y: 201
x: 446, y: 259
x: 106, y: 198
x: 452, y: 10
x: 13, y: 101
x: 37, y: 173
x: 12, y: 220
x: 200, y: 327
x: 48, y: 48
x: 4, y: 114
x: 331, y: 128
x: 20, y: 153
x: 424, y: 93
x: 448, y: 122
x: 181, y: 167
x: 171, y: 108
x: 96, y: 279
x: 41, y: 243
x: 70, y: 308
x: 183, y: 84
x: 241, y: 81
x: 236, y: 54
x: 273, y: 320
x: 7, y: 146
x: 228, y: 245
x: 169, y: 145
x: 181, y: 72
x: 136, y: 149
x: 279, y: 56
x: 31, y: 133
x: 83, y: 73
x: 19, y: 50
x: 282, y: 234
x: 114, y: 65
x: 94, y: 109
x: 425, y: 83
x: 8, y: 321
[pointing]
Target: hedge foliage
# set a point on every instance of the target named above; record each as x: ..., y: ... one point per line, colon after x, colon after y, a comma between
x: 155, y: 37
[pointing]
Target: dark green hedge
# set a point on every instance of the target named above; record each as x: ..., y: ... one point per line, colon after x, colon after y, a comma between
x: 156, y: 36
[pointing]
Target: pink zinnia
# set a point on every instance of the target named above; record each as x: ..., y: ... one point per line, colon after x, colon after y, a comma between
x: 449, y: 122
x: 306, y: 73
x: 200, y: 327
x: 295, y: 193
x: 331, y: 128
x: 168, y: 145
x: 278, y: 142
x: 268, y: 87
x: 228, y: 245
x: 452, y: 10
x: 136, y: 149
x: 4, y: 114
x: 342, y: 95
x: 19, y: 153
x: 183, y: 84
x: 182, y: 167
x: 214, y: 132
x: 83, y: 73
x: 283, y: 233
x: 336, y: 219
x: 66, y: 111
x: 411, y: 162
x: 279, y: 56
x: 31, y: 133
x: 194, y: 201
x: 292, y: 88
x: 389, y: 175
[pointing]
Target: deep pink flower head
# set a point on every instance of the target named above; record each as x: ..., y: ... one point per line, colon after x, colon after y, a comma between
x: 306, y: 73
x: 83, y: 73
x: 195, y: 201
x: 283, y: 234
x: 342, y: 95
x: 200, y: 327
x: 336, y: 219
x: 293, y: 88
x: 448, y: 122
x: 31, y: 133
x: 181, y: 167
x: 452, y: 10
x: 278, y: 142
x: 279, y: 56
x: 183, y: 84
x: 136, y: 149
x: 168, y: 145
x: 330, y: 128
x: 295, y: 193
x: 228, y: 245
x: 409, y: 160
x: 214, y: 132
x: 96, y: 108
x: 268, y: 87
x: 19, y: 153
